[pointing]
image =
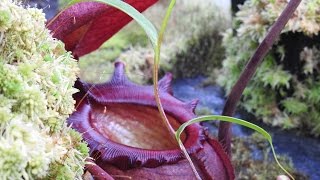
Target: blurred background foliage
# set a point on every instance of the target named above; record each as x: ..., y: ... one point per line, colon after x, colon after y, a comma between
x: 192, y: 44
x: 285, y: 91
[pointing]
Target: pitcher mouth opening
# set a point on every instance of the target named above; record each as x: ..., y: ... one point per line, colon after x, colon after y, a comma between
x: 135, y: 126
x: 122, y: 126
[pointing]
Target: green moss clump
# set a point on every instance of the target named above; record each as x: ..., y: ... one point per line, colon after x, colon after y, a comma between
x: 5, y: 18
x: 36, y: 87
x: 202, y: 56
x: 280, y: 92
x: 192, y: 44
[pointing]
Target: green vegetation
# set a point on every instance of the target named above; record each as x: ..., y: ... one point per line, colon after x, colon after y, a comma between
x: 36, y: 87
x: 191, y: 38
x: 285, y: 89
x: 261, y: 167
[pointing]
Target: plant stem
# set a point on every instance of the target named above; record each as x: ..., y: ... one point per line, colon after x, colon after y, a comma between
x: 156, y: 69
x: 250, y: 69
x: 156, y: 87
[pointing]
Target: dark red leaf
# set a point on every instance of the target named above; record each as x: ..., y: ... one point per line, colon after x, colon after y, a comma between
x: 85, y: 26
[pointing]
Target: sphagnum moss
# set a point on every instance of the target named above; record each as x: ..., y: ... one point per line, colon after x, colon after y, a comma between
x: 285, y: 90
x: 36, y: 87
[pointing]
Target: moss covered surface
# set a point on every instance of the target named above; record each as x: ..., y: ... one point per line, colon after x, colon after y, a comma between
x: 36, y: 87
x: 248, y: 166
x: 283, y: 91
x: 202, y: 56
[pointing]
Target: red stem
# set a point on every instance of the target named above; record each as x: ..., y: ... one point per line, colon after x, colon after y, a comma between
x: 96, y: 171
x: 250, y: 69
